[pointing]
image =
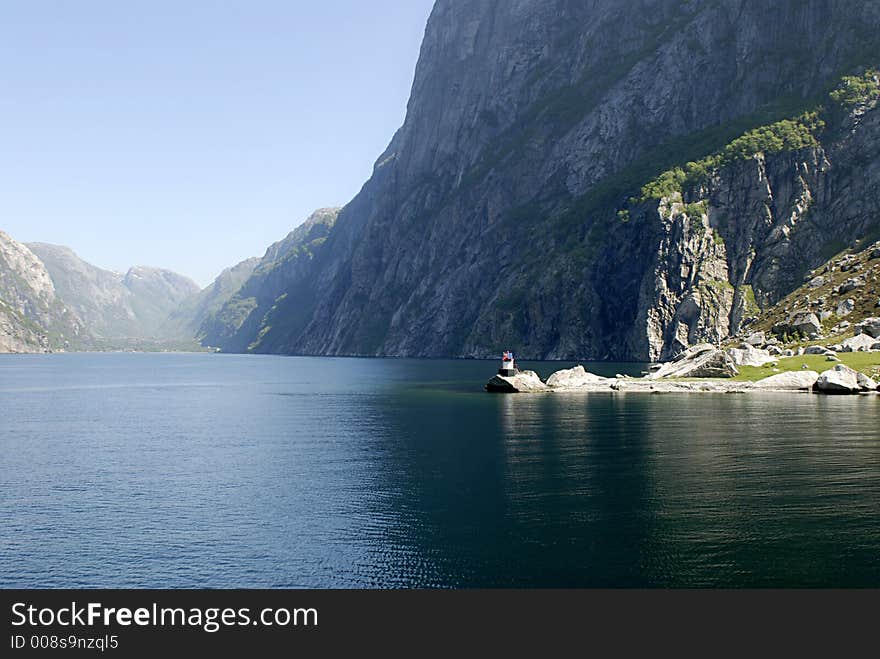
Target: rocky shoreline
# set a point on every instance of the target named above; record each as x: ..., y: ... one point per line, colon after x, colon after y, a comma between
x: 840, y: 380
x: 700, y: 369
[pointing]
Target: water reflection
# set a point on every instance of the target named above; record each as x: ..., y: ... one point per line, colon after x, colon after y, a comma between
x: 646, y: 490
x: 198, y: 471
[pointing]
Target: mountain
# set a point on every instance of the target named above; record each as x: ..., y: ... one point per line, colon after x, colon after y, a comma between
x: 50, y: 299
x: 250, y: 313
x: 606, y: 179
x: 113, y: 306
x: 18, y: 334
x: 32, y: 317
x: 187, y: 320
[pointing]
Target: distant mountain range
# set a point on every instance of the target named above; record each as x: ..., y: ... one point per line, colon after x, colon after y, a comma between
x: 111, y: 305
x: 50, y: 300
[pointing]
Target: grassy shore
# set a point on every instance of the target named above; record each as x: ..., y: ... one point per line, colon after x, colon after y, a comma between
x: 866, y: 362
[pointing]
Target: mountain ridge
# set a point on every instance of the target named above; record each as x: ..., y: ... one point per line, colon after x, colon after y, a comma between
x: 246, y: 317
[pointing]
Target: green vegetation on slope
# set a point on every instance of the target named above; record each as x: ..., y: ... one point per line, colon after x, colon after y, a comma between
x: 792, y: 134
x: 791, y: 123
x: 858, y: 90
x: 786, y: 135
x: 610, y: 195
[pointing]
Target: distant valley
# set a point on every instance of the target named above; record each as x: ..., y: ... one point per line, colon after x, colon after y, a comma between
x: 52, y: 300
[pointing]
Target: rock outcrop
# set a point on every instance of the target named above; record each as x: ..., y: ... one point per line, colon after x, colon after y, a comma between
x: 524, y: 382
x: 32, y: 316
x: 701, y: 361
x: 840, y: 380
x: 576, y: 378
x: 18, y: 335
x: 870, y: 326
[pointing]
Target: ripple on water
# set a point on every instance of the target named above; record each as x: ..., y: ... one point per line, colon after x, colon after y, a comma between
x: 199, y: 471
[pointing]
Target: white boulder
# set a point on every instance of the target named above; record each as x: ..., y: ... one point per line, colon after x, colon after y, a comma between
x: 756, y: 339
x: 858, y: 343
x: 790, y: 381
x: 839, y: 380
x: 747, y: 355
x: 866, y: 383
x: 700, y: 361
x: 575, y: 378
x: 845, y: 308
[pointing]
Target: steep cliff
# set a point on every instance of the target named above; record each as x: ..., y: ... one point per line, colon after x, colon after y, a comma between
x: 32, y: 317
x: 500, y: 215
x: 739, y: 230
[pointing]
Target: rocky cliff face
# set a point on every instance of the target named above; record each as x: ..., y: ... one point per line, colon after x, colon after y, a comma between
x: 32, y: 317
x: 745, y: 235
x: 19, y: 335
x: 115, y: 306
x: 499, y: 214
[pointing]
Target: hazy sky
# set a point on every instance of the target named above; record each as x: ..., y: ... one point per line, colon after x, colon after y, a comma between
x: 191, y: 134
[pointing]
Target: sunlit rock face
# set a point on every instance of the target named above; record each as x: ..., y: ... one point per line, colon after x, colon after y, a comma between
x: 29, y: 305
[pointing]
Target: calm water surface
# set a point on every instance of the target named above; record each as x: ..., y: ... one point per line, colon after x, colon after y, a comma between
x: 226, y: 471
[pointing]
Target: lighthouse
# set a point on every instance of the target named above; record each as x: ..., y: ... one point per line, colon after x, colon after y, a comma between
x: 508, y: 364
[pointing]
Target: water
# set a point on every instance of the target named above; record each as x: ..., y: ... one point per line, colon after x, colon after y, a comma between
x: 226, y: 471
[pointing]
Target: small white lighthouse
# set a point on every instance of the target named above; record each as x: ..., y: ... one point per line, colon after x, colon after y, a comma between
x: 508, y: 364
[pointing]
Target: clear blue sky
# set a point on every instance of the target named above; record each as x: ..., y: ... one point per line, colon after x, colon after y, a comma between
x: 191, y: 134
